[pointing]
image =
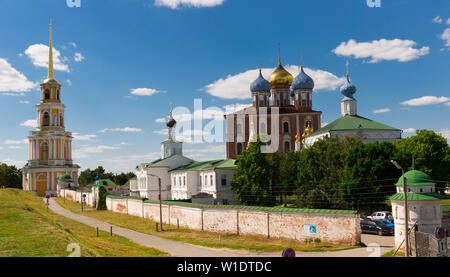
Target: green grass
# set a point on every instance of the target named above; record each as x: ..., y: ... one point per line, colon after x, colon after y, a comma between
x: 391, y: 253
x: 445, y: 202
x: 209, y: 239
x: 28, y: 229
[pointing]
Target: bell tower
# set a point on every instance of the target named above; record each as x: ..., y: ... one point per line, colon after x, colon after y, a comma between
x: 50, y: 146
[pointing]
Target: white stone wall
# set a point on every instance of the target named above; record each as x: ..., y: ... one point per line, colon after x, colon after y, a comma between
x: 335, y: 228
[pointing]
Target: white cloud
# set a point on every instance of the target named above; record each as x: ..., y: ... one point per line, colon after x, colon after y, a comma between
x: 125, y: 130
x: 238, y: 86
x: 383, y: 110
x: 438, y: 20
x: 19, y: 94
x: 77, y: 136
x: 409, y: 130
x: 38, y: 54
x: 32, y: 123
x: 447, y: 104
x: 383, y: 49
x: 425, y: 100
x: 175, y: 4
x: 13, y: 80
x: 446, y: 36
x: 323, y: 124
x: 73, y: 44
x: 17, y: 163
x: 78, y: 57
x: 445, y: 133
x: 235, y: 107
x: 448, y: 21
x: 69, y: 82
x: 85, y: 150
x: 208, y: 149
x: 24, y: 102
x: 161, y: 120
x: 145, y: 91
x: 14, y: 147
x: 186, y: 136
x: 10, y: 142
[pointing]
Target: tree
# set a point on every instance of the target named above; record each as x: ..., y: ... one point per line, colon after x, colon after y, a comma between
x: 288, y: 174
x: 275, y: 181
x: 431, y: 155
x: 370, y: 176
x: 10, y: 176
x: 252, y: 179
x: 321, y: 170
x: 102, y: 193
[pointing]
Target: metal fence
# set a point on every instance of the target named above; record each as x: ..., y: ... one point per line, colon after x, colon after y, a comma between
x: 427, y: 245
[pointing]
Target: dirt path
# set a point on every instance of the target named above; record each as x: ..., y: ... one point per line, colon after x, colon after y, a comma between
x: 179, y: 249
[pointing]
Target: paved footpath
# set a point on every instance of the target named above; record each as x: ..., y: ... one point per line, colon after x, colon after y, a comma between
x: 179, y: 249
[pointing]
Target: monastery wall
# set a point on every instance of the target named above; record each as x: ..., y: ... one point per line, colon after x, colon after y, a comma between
x: 339, y: 228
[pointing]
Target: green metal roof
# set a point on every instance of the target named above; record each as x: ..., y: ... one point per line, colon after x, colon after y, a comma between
x: 101, y: 181
x: 353, y: 122
x: 417, y: 196
x: 214, y: 164
x: 416, y: 178
x: 155, y: 162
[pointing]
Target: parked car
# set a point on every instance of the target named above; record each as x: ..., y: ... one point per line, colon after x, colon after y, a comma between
x: 376, y: 227
x: 381, y: 215
x: 387, y: 222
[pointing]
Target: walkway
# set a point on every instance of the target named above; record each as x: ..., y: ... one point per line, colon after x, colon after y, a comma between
x: 179, y: 249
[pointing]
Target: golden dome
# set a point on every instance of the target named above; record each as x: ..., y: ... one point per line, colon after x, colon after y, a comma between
x: 280, y: 77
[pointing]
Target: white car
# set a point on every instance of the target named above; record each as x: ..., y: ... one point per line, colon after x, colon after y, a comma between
x: 381, y: 215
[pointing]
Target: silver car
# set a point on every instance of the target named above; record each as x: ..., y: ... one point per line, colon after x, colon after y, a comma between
x: 381, y: 215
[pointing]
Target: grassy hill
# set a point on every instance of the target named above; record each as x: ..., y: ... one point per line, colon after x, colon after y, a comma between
x: 27, y: 229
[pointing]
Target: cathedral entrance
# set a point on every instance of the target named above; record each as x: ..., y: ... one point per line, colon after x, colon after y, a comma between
x: 41, y: 185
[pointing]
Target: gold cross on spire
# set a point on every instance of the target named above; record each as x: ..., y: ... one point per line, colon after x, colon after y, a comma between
x: 171, y: 109
x: 279, y: 54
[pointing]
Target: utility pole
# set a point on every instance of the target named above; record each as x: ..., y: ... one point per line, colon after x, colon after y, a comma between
x: 160, y: 204
x: 405, y: 196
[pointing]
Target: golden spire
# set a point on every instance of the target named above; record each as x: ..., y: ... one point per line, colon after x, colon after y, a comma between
x: 301, y: 60
x: 346, y: 64
x: 50, y: 76
x: 171, y: 109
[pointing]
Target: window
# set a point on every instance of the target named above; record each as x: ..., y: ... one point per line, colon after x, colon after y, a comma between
x: 174, y: 181
x: 287, y: 147
x: 46, y: 119
x: 239, y: 148
x: 211, y: 180
x: 61, y: 120
x: 57, y: 94
x: 44, y: 148
x: 224, y: 180
x: 184, y: 181
x: 286, y: 127
x: 239, y: 129
x: 47, y: 94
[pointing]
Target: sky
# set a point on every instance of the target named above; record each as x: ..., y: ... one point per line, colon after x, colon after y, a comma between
x: 122, y: 62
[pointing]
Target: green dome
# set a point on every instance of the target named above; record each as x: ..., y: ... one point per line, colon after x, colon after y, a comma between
x: 416, y: 178
x: 65, y: 177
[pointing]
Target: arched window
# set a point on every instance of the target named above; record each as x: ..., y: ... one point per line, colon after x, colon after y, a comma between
x: 61, y: 120
x: 46, y: 121
x: 239, y: 129
x: 239, y: 148
x: 47, y: 94
x: 286, y: 127
x: 287, y: 147
x: 44, y: 151
x: 57, y: 94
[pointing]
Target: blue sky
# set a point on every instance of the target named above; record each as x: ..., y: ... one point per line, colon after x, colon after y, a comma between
x: 181, y: 50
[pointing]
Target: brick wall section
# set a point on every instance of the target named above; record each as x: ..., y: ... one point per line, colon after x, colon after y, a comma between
x: 331, y: 227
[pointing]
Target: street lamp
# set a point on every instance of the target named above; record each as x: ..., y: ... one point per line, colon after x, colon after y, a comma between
x: 83, y: 197
x: 160, y: 200
x: 405, y: 196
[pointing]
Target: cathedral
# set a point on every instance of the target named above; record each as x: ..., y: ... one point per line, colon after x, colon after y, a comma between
x: 290, y: 105
x: 50, y: 146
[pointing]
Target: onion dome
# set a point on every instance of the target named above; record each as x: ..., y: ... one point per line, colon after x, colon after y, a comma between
x: 348, y: 89
x: 302, y: 81
x: 280, y: 77
x: 171, y: 122
x: 260, y: 84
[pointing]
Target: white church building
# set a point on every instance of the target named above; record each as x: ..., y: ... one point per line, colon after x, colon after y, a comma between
x: 352, y: 124
x: 182, y: 178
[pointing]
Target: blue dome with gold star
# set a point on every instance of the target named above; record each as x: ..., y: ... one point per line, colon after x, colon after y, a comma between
x: 348, y: 89
x: 260, y: 84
